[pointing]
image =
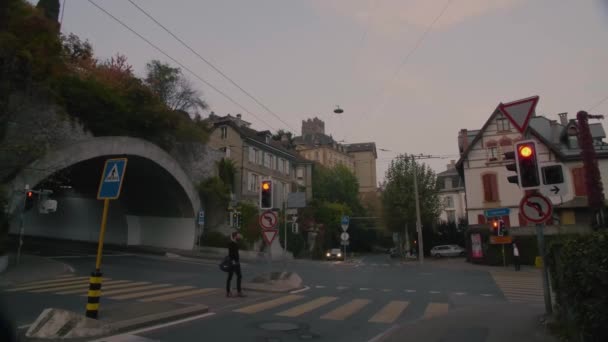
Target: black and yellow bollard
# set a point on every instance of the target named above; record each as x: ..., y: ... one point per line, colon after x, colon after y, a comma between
x: 94, y: 295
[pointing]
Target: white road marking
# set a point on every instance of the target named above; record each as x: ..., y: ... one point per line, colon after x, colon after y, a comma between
x: 487, y: 294
x: 410, y: 291
x: 434, y: 292
x: 386, y: 290
x: 364, y: 289
x: 341, y: 288
x: 156, y: 327
x: 301, y: 290
x: 460, y: 293
x: 320, y: 287
x: 88, y: 256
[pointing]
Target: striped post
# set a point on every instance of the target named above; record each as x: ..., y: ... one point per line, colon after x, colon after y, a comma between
x: 94, y: 294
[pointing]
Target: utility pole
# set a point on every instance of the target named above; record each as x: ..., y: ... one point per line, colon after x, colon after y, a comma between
x: 418, y: 220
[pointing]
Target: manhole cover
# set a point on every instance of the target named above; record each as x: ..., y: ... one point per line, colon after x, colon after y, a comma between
x: 279, y: 326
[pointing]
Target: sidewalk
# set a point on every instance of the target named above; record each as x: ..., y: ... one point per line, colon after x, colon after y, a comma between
x: 488, y: 323
x: 32, y: 268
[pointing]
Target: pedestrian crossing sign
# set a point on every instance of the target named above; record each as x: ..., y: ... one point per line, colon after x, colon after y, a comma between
x: 112, y: 178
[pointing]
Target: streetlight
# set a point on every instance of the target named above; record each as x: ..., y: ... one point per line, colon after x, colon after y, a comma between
x: 338, y: 110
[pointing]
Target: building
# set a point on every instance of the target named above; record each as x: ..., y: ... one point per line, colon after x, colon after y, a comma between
x: 364, y: 156
x: 257, y: 157
x: 321, y: 148
x: 482, y: 167
x: 452, y: 194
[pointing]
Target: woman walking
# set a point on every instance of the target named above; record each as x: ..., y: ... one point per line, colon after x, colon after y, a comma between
x: 233, y: 254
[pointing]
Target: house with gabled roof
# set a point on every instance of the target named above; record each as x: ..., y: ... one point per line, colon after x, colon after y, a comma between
x: 482, y: 167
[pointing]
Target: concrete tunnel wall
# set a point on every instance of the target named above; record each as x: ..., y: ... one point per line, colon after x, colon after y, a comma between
x: 79, y: 218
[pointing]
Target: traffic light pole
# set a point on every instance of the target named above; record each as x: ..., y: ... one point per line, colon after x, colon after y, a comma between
x: 540, y: 237
x: 21, y: 225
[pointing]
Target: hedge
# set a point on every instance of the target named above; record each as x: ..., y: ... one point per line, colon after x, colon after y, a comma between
x: 579, y: 275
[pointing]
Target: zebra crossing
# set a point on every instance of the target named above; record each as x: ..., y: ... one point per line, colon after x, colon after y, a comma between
x: 520, y: 287
x: 339, y: 309
x: 116, y: 289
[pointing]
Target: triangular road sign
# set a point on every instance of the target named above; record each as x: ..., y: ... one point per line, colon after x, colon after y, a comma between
x: 269, y: 235
x: 519, y: 112
x: 113, y: 175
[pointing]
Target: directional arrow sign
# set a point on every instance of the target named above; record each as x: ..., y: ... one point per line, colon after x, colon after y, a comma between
x: 519, y: 112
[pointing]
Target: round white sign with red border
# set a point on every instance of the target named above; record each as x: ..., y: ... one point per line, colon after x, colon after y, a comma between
x: 268, y: 220
x: 536, y: 208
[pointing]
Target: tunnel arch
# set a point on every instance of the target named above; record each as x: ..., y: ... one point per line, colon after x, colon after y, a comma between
x: 66, y: 156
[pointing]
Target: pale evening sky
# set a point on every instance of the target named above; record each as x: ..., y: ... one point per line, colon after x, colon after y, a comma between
x: 302, y: 58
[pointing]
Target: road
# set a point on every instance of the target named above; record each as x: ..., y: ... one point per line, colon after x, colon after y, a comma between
x: 353, y: 301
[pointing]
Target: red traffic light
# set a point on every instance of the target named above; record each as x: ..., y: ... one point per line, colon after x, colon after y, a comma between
x: 495, y: 224
x: 30, y: 194
x: 525, y: 151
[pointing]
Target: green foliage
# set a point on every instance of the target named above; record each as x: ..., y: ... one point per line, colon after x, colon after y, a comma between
x: 50, y: 8
x: 173, y: 89
x: 579, y: 270
x: 249, y: 227
x: 278, y: 136
x: 219, y: 240
x: 214, y: 194
x: 227, y: 172
x: 337, y: 184
x: 398, y: 199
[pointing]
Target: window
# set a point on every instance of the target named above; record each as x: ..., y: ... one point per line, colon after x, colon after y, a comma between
x: 272, y: 165
x: 258, y: 157
x: 254, y: 182
x: 490, y: 187
x: 300, y: 173
x: 317, y: 155
x: 449, y: 202
x: 268, y: 139
x: 502, y: 124
x: 578, y: 178
x: 451, y: 216
x: 287, y: 167
x: 227, y: 150
x: 282, y: 165
x: 224, y: 132
x: 493, y: 153
x: 266, y: 159
x: 252, y: 153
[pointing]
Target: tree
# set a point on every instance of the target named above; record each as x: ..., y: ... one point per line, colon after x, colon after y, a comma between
x: 227, y: 172
x: 278, y: 136
x: 337, y: 184
x: 398, y: 197
x: 50, y: 9
x: 173, y: 88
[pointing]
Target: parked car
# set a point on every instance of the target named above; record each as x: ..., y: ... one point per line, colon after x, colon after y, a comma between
x: 334, y: 254
x: 447, y: 251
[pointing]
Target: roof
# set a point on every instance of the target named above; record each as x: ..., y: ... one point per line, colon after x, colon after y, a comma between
x: 260, y: 138
x: 545, y: 131
x: 362, y: 147
x: 314, y: 139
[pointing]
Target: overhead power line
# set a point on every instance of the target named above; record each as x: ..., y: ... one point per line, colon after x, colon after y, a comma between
x: 599, y: 103
x: 410, y: 53
x: 211, y: 64
x: 179, y: 63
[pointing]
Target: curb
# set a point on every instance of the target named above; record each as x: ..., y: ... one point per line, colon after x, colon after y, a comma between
x: 164, y: 317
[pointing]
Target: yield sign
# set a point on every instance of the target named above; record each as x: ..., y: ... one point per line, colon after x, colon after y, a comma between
x: 519, y: 112
x: 269, y: 235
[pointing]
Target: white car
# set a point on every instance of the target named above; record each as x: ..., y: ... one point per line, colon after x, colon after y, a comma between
x: 447, y: 251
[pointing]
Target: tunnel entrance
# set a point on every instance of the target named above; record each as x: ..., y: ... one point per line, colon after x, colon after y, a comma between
x: 153, y: 208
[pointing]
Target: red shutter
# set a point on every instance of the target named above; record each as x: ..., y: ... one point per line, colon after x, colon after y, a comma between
x: 481, y: 219
x: 578, y: 177
x: 522, y: 220
x: 487, y: 188
x: 494, y: 184
x: 507, y: 221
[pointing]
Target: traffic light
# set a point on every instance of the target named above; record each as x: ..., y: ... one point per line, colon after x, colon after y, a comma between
x: 495, y: 227
x: 527, y: 164
x: 502, y: 229
x: 266, y: 195
x: 29, y: 200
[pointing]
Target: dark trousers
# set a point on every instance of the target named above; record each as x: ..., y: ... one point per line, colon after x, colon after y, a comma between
x: 235, y: 269
x: 516, y: 262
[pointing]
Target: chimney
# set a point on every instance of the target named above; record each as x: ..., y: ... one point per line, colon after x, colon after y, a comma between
x: 463, y: 140
x: 284, y: 138
x: 563, y: 118
x: 451, y: 165
x: 239, y: 116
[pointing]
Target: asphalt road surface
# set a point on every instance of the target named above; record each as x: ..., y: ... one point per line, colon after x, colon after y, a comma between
x: 356, y: 300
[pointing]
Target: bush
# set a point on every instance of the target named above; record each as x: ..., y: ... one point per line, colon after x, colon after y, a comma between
x: 579, y: 272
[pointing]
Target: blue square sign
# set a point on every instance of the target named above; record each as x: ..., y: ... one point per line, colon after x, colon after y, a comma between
x: 111, y: 178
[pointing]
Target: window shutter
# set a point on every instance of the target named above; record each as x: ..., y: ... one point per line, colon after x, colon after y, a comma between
x: 507, y: 221
x: 487, y: 188
x: 494, y: 187
x: 578, y: 177
x: 481, y: 219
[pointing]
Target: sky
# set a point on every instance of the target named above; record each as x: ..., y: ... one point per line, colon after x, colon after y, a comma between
x: 409, y: 74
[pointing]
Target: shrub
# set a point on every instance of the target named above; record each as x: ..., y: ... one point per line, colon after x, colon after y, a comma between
x: 579, y: 272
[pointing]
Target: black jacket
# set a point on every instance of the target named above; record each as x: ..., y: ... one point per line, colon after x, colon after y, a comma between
x: 233, y: 252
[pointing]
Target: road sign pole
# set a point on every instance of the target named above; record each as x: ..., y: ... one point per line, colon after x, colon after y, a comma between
x: 504, y: 258
x: 102, y: 232
x: 540, y: 237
